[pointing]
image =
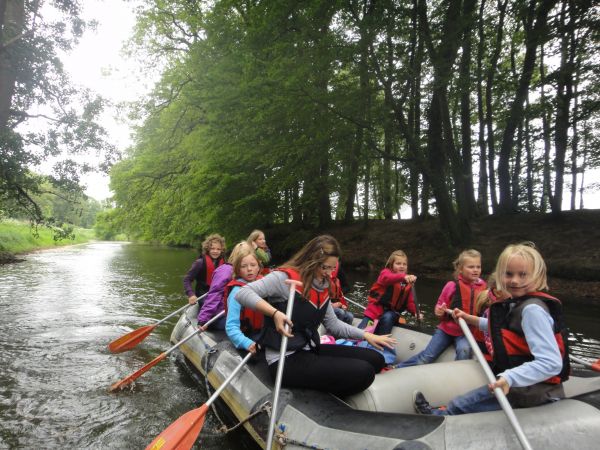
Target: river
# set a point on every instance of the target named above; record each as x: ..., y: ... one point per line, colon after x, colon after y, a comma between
x: 61, y: 308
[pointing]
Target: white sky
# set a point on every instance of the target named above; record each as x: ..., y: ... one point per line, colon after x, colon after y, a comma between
x: 98, y: 63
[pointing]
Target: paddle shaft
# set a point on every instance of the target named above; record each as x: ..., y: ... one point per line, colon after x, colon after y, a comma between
x: 417, y: 309
x: 228, y: 380
x: 593, y: 366
x: 280, y: 364
x: 178, y: 311
x: 498, y: 392
x: 355, y: 303
x: 135, y: 375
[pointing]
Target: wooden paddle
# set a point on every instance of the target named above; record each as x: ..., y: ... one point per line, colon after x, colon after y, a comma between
x: 498, y: 392
x: 593, y: 366
x: 135, y: 375
x: 133, y: 338
x: 280, y: 364
x: 182, y: 433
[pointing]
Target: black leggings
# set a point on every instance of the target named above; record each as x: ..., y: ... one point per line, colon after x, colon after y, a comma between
x: 338, y: 369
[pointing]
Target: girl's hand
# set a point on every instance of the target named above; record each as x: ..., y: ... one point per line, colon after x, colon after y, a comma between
x: 280, y: 320
x: 500, y: 383
x: 410, y: 279
x: 203, y: 328
x: 253, y: 348
x: 420, y: 316
x: 470, y: 319
x: 440, y: 310
x: 337, y: 304
x: 378, y: 341
x: 192, y: 299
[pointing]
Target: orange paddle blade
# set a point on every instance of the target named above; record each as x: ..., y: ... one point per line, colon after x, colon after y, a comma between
x: 135, y: 375
x: 131, y: 339
x: 596, y: 366
x: 182, y: 433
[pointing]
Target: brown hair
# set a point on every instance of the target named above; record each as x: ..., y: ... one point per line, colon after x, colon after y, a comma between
x: 213, y: 238
x: 395, y: 254
x: 252, y: 237
x: 310, y: 257
x: 239, y: 252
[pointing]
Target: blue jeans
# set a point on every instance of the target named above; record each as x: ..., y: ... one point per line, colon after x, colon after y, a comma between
x: 477, y: 400
x: 344, y: 315
x: 439, y: 342
x: 364, y: 322
x: 386, y: 322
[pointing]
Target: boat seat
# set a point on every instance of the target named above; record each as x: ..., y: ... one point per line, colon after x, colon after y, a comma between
x: 392, y: 391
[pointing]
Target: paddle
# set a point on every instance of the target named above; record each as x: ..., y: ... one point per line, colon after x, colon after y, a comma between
x: 182, y: 433
x: 280, y: 364
x: 498, y: 392
x: 135, y: 375
x: 133, y: 338
x: 417, y: 309
x: 355, y: 303
x: 593, y: 366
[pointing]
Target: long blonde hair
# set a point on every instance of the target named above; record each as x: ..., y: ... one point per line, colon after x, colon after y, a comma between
x: 459, y: 262
x: 310, y: 257
x: 253, y: 236
x: 239, y: 252
x: 529, y: 253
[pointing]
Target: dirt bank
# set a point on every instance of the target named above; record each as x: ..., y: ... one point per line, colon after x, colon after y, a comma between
x: 570, y: 245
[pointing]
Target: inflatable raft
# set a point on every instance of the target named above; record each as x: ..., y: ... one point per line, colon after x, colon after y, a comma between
x: 382, y: 417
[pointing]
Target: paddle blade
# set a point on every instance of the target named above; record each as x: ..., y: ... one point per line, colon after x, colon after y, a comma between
x: 596, y: 366
x: 135, y: 375
x: 182, y: 433
x: 130, y: 340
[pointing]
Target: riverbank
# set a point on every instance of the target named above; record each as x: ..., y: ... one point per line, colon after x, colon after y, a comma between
x: 17, y: 237
x: 570, y: 245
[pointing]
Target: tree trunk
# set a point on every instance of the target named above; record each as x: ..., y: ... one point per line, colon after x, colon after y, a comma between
x: 535, y: 32
x: 12, y: 24
x: 482, y: 194
x: 546, y: 190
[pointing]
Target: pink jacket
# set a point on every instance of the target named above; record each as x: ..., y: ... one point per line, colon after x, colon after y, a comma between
x: 388, y: 278
x: 447, y: 324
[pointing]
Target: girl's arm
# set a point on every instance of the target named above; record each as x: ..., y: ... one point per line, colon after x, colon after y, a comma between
x: 470, y: 319
x: 189, y: 278
x: 387, y: 277
x: 213, y: 302
x: 444, y: 301
x: 232, y: 326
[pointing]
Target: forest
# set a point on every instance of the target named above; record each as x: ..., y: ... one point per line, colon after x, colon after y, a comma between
x: 314, y: 111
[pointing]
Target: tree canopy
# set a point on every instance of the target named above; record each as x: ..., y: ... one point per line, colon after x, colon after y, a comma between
x: 308, y: 112
x: 44, y: 119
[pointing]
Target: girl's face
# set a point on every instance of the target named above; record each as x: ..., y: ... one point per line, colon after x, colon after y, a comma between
x: 471, y: 269
x: 326, y: 268
x: 400, y: 265
x: 215, y: 250
x: 249, y: 268
x: 260, y: 241
x: 517, y: 277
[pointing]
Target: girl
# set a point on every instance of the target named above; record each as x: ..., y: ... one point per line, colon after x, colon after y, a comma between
x: 202, y: 269
x: 391, y: 294
x: 459, y: 293
x: 527, y: 337
x: 339, y: 303
x: 334, y: 368
x: 243, y: 324
x: 258, y: 242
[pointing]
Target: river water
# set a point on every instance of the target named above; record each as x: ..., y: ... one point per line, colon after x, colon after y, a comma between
x: 62, y: 307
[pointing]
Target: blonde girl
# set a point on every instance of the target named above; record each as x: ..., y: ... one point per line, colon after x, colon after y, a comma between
x: 458, y: 293
x: 391, y: 294
x: 243, y: 324
x: 259, y: 243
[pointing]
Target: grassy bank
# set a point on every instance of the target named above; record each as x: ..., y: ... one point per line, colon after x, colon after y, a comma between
x: 18, y: 237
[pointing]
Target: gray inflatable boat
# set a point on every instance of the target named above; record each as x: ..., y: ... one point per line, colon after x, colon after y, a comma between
x: 382, y: 417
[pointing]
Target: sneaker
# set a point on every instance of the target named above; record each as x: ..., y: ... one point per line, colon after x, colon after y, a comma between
x: 421, y: 404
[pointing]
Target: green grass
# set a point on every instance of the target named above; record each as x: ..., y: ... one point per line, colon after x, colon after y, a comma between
x: 18, y: 237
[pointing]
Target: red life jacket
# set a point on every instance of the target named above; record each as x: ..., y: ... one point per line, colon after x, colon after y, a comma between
x: 307, y: 315
x: 251, y: 321
x: 508, y: 344
x: 394, y: 297
x: 464, y: 298
x: 204, y: 277
x: 336, y: 294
